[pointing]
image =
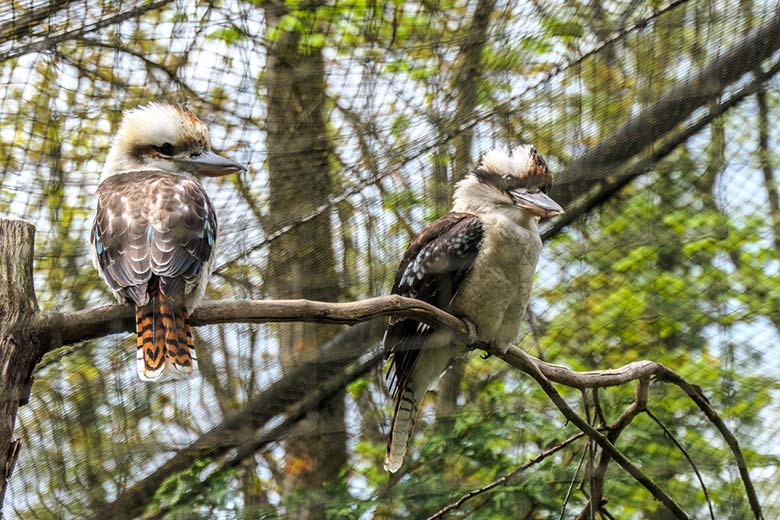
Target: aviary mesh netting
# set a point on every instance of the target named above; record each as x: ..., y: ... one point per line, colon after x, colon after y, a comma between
x: 355, y: 118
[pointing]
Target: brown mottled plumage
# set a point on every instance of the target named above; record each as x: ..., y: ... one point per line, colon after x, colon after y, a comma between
x: 155, y: 229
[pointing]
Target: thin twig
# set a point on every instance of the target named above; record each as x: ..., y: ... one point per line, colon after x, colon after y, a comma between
x: 597, y: 407
x: 696, y: 394
x: 615, y: 429
x: 506, y: 478
x: 52, y: 40
x: 688, y: 457
x: 585, y: 450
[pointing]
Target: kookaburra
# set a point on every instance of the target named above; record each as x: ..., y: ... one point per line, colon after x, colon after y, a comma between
x: 155, y: 228
x: 476, y: 262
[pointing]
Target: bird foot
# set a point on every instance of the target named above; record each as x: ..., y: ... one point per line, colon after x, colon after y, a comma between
x: 472, y: 332
x: 476, y: 343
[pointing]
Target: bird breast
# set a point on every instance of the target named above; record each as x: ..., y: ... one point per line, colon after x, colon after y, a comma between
x: 495, y: 294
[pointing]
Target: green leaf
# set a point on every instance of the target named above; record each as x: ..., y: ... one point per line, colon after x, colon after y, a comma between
x: 229, y: 35
x: 562, y: 28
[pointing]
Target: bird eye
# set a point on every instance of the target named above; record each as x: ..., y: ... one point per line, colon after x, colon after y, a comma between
x: 166, y: 149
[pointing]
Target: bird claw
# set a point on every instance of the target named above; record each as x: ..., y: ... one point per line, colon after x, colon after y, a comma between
x: 476, y: 344
x: 472, y: 333
x: 487, y: 347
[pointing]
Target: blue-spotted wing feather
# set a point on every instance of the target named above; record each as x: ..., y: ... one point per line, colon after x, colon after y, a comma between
x: 149, y: 225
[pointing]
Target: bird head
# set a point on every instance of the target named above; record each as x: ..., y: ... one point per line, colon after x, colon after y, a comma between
x: 517, y: 179
x: 169, y: 137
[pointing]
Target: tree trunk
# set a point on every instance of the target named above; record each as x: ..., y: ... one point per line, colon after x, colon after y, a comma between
x: 302, y: 262
x: 19, y: 350
x: 467, y: 84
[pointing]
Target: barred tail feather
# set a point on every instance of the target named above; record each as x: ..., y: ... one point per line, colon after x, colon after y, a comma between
x: 411, y: 389
x: 165, y: 349
x: 401, y: 428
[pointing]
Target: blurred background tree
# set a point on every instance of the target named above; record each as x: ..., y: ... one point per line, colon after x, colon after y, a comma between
x: 356, y: 118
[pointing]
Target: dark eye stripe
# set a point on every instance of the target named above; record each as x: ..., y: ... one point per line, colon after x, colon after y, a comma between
x: 166, y: 149
x: 540, y: 179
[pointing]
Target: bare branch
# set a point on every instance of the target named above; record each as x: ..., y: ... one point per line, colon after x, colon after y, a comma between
x: 610, y: 183
x: 73, y: 327
x: 585, y: 450
x: 22, y: 23
x: 52, y: 40
x: 81, y: 325
x: 535, y: 369
x: 696, y: 394
x: 633, y: 371
x: 672, y: 108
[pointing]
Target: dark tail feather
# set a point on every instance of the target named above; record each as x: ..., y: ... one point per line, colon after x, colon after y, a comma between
x: 165, y: 347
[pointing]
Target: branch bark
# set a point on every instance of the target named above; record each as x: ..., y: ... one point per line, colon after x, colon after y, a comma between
x: 64, y: 328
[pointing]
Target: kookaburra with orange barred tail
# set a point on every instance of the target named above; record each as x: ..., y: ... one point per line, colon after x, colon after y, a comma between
x: 155, y: 230
x: 476, y: 262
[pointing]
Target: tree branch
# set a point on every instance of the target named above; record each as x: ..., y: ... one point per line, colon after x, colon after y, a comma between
x: 633, y: 371
x: 614, y: 430
x: 332, y: 368
x: 73, y: 327
x: 534, y: 368
x: 51, y: 40
x: 623, y: 174
x: 23, y: 22
x: 687, y: 457
x: 671, y: 109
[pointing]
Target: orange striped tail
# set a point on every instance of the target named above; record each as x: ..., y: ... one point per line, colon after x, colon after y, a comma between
x: 165, y: 346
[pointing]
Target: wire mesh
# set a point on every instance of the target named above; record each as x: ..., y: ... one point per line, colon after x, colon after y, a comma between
x: 678, y: 266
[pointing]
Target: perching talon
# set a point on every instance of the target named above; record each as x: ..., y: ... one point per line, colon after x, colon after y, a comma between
x: 472, y: 332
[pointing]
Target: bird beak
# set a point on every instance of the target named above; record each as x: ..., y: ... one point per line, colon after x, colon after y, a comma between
x: 537, y: 203
x: 210, y: 164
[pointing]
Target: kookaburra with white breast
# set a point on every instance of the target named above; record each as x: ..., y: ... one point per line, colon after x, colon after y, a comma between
x: 155, y: 230
x: 476, y: 262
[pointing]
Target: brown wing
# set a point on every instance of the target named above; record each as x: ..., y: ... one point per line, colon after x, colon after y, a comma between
x: 152, y: 230
x: 432, y: 269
